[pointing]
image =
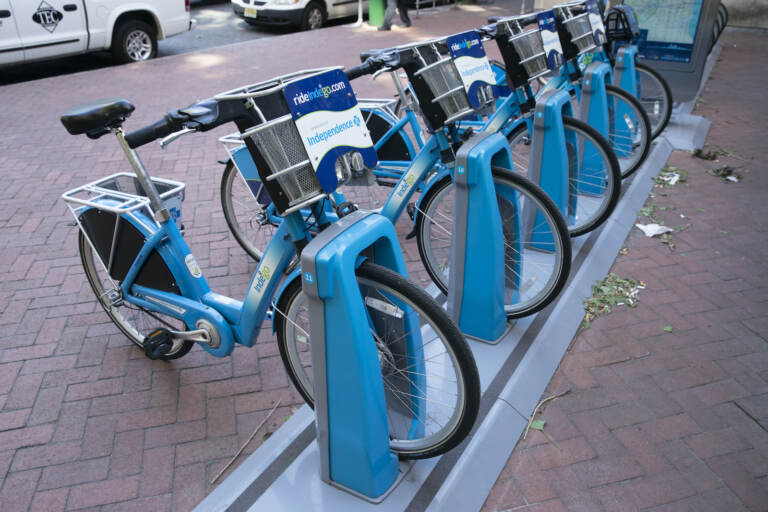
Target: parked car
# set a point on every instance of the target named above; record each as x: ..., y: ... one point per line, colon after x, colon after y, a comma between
x: 31, y: 31
x: 307, y: 14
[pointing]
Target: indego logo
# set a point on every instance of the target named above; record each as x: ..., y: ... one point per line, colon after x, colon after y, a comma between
x: 264, y: 274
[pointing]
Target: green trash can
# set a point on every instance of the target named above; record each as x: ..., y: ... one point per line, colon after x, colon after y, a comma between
x: 376, y: 10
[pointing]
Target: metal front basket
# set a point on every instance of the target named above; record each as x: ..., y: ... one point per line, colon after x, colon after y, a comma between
x: 621, y: 24
x: 280, y: 145
x: 444, y: 82
x: 578, y: 26
x: 276, y: 146
x: 522, y: 49
x: 530, y: 48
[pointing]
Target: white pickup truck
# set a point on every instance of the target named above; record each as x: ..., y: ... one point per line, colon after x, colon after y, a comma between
x: 33, y: 30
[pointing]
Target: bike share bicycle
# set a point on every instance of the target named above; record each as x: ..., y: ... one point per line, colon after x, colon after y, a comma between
x: 615, y: 113
x: 640, y: 80
x: 571, y: 161
x: 534, y: 257
x: 548, y: 270
x: 146, y: 279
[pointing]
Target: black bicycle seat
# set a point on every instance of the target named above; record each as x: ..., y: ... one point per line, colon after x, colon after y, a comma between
x: 97, y: 117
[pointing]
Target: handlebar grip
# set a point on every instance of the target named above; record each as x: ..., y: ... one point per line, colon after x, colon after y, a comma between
x: 147, y: 134
x: 366, y: 68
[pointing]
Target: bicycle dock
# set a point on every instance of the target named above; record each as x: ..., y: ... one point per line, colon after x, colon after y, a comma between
x: 515, y: 361
x: 285, y: 472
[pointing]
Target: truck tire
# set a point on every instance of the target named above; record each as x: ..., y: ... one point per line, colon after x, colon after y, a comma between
x: 133, y: 41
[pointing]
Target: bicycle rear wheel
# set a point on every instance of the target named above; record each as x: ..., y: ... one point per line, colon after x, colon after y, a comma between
x: 655, y: 97
x: 594, y: 180
x: 537, y: 249
x: 447, y: 387
x: 133, y: 321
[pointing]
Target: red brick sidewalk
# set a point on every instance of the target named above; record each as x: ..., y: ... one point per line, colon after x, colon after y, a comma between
x: 675, y: 420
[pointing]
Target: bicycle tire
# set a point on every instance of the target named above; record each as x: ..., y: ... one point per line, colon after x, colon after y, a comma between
x: 457, y: 352
x: 243, y: 213
x: 584, y: 220
x: 658, y: 112
x: 143, y: 321
x: 541, y: 284
x: 638, y: 124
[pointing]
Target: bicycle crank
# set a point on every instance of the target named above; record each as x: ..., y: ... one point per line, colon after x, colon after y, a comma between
x: 162, y: 341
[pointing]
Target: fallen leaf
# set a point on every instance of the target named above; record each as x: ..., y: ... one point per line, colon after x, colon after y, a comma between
x: 538, y: 424
x: 668, y: 328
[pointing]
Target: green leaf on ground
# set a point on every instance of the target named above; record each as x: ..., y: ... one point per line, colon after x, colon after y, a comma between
x: 608, y: 293
x: 668, y: 328
x: 724, y: 231
x: 670, y: 176
x: 538, y: 424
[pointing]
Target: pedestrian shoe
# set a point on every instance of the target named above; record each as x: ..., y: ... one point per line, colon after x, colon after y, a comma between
x: 384, y: 28
x: 408, y: 24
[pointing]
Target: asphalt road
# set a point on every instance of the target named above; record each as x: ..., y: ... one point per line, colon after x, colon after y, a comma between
x: 216, y: 25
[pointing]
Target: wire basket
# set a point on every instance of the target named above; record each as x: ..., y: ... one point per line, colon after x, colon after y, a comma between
x: 447, y: 89
x: 621, y: 24
x: 577, y: 27
x: 522, y: 49
x: 276, y: 146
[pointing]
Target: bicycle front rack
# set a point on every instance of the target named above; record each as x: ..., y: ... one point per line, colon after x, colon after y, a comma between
x: 275, y: 144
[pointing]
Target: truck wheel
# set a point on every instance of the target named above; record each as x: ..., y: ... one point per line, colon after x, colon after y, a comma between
x: 134, y: 41
x: 313, y: 17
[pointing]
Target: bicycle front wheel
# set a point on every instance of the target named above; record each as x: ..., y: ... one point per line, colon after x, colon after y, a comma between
x: 432, y: 388
x: 537, y: 249
x: 629, y: 129
x: 133, y: 321
x: 655, y: 97
x: 594, y: 178
x: 248, y: 220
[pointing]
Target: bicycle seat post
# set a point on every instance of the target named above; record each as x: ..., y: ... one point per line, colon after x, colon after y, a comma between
x: 158, y: 206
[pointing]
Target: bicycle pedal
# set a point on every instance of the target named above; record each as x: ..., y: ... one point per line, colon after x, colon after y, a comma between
x: 158, y: 343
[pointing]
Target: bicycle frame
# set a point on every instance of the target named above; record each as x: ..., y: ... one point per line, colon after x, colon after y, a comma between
x: 234, y: 321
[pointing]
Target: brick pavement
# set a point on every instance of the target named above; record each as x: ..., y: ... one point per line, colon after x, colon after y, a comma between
x: 673, y: 421
x: 86, y: 421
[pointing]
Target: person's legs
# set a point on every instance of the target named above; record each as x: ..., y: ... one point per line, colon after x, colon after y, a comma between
x: 402, y: 6
x: 389, y: 14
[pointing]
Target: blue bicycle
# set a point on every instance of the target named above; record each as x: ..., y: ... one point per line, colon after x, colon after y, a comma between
x: 422, y: 185
x: 149, y: 284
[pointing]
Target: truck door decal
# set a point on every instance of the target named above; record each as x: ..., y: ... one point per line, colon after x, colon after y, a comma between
x: 47, y: 17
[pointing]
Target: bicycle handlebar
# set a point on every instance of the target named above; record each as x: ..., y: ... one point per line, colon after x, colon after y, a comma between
x: 366, y: 68
x: 162, y: 128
